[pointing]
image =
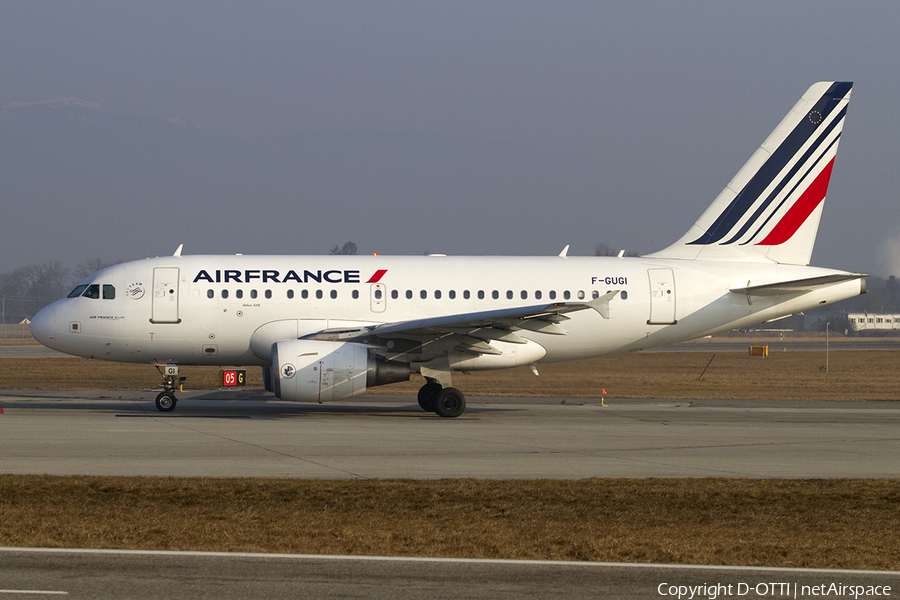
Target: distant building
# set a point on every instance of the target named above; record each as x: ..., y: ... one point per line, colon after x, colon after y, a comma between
x: 866, y: 321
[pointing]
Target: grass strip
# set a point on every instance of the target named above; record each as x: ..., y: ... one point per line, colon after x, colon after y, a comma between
x: 852, y: 375
x: 838, y: 523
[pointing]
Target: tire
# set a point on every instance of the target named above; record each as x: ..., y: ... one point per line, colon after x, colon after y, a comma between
x: 449, y: 402
x: 166, y: 402
x: 427, y: 394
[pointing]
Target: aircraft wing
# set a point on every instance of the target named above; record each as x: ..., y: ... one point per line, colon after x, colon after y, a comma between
x: 471, y: 331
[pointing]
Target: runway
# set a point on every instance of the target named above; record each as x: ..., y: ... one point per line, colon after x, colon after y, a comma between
x: 218, y: 434
x: 101, y: 574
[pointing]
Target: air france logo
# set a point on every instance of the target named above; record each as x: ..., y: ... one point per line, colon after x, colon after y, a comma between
x: 295, y: 276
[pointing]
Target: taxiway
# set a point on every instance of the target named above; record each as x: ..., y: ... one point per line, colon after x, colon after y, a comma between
x: 222, y: 434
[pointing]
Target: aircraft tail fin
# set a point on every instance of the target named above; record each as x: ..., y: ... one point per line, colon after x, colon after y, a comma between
x: 770, y: 211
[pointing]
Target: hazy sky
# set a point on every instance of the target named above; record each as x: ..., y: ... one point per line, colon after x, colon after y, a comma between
x: 670, y: 98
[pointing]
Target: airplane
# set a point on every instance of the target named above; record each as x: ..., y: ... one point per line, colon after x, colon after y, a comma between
x: 326, y: 328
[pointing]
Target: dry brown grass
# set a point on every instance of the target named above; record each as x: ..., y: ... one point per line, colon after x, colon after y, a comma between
x: 789, y: 523
x: 853, y: 375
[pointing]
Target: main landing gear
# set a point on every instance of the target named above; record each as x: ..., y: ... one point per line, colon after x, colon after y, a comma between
x: 445, y: 402
x: 166, y: 400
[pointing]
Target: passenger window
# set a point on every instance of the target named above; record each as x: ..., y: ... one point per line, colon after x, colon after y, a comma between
x: 333, y: 294
x: 437, y: 294
x: 567, y: 294
x: 623, y: 295
x: 224, y: 293
x: 581, y: 294
x: 377, y: 295
x: 596, y: 294
x: 109, y: 292
x: 92, y: 291
x: 77, y: 291
x: 239, y: 293
x: 355, y: 294
x: 553, y: 295
x: 524, y: 295
x: 318, y: 294
x: 481, y: 294
x: 395, y: 294
x: 466, y: 294
x: 290, y: 294
x: 423, y: 294
x: 253, y: 293
x: 210, y: 294
x: 495, y: 294
x: 268, y: 294
x: 537, y: 295
x: 304, y: 294
x: 409, y: 294
x: 509, y: 294
x: 452, y: 294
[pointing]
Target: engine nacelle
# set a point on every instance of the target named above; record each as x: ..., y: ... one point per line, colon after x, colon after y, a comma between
x: 318, y: 371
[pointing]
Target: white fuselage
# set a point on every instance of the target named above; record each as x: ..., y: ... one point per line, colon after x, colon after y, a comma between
x: 328, y: 327
x: 229, y: 310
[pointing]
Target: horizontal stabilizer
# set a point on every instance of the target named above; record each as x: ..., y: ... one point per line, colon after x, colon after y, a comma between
x: 799, y: 286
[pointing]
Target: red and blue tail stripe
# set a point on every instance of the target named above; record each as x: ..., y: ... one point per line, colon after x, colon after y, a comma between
x: 778, y: 171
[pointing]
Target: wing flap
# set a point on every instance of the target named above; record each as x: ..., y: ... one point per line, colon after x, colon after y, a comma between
x: 486, y: 326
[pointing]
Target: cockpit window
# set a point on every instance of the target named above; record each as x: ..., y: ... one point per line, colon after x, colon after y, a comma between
x: 77, y: 291
x: 92, y: 291
x: 109, y: 292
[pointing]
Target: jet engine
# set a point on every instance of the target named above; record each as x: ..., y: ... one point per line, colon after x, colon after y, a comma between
x: 319, y: 371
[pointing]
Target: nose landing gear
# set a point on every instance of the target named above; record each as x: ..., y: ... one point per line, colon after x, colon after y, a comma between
x: 166, y: 400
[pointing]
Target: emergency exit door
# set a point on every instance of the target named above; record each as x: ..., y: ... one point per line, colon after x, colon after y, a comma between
x: 378, y: 297
x: 662, y: 297
x: 165, y: 295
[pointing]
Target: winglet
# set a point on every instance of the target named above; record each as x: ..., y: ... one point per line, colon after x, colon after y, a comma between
x: 565, y: 251
x: 178, y: 251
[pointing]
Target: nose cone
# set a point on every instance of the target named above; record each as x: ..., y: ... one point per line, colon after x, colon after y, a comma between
x: 43, y: 326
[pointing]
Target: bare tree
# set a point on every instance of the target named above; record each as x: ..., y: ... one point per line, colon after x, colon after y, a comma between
x: 347, y: 248
x: 92, y: 266
x: 602, y: 249
x: 28, y: 289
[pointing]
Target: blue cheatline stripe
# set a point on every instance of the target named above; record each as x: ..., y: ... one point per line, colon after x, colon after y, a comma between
x: 787, y: 177
x: 791, y: 193
x: 773, y: 166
